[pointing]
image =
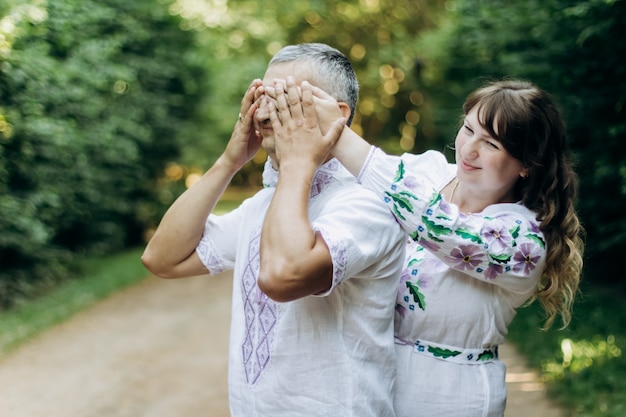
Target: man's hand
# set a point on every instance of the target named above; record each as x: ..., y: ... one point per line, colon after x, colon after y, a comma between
x: 297, y: 132
x: 295, y: 260
x: 245, y: 140
x: 171, y: 252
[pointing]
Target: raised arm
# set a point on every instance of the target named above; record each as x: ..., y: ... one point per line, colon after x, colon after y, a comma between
x: 170, y: 253
x: 350, y: 149
x: 295, y: 260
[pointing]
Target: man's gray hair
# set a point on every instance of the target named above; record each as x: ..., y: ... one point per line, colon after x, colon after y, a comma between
x: 332, y: 72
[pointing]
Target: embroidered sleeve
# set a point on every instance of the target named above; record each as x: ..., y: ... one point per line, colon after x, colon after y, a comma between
x: 217, y: 248
x: 338, y: 252
x: 209, y: 255
x: 504, y: 240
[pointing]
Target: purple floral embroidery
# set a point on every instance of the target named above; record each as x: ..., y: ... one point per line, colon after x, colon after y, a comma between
x: 480, y: 245
x: 429, y: 268
x: 400, y: 310
x: 410, y: 182
x: 445, y: 207
x: 417, y: 279
x: 534, y: 227
x: 493, y: 271
x: 497, y: 236
x: 427, y: 244
x: 527, y: 257
x: 466, y: 257
x: 402, y: 296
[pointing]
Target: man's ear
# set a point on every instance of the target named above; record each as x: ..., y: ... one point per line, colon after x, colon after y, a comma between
x: 345, y: 109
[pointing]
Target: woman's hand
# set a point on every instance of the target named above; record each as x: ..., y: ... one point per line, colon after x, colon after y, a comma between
x: 327, y: 108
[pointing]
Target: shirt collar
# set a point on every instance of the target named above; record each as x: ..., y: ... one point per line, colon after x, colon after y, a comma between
x: 324, y: 175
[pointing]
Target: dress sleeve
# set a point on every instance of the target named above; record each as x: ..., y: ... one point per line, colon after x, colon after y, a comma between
x: 501, y: 242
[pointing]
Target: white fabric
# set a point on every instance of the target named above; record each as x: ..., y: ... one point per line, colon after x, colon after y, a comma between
x: 459, y: 290
x: 329, y: 355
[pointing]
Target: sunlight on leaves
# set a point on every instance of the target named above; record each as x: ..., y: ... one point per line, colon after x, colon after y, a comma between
x: 580, y: 355
x: 210, y: 13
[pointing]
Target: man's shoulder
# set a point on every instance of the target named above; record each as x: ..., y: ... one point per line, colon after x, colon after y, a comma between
x: 349, y: 187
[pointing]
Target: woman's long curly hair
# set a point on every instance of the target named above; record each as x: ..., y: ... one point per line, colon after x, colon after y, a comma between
x: 529, y: 125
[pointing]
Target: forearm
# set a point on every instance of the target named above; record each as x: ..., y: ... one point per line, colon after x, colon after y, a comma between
x: 351, y: 150
x: 294, y: 259
x: 182, y: 225
x: 348, y: 147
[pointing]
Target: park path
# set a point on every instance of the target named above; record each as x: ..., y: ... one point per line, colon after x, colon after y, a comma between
x: 158, y: 349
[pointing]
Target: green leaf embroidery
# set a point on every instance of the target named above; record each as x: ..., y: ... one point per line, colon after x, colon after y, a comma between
x: 501, y: 259
x: 434, y: 238
x: 435, y: 199
x: 401, y: 201
x: 467, y: 234
x: 412, y: 262
x: 409, y: 194
x: 399, y: 172
x: 414, y: 235
x: 418, y: 297
x: 443, y: 353
x: 435, y: 228
x: 397, y: 213
x: 536, y: 238
x: 515, y: 232
x: 485, y: 356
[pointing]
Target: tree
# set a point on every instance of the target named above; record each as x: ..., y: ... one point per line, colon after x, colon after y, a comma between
x: 377, y: 36
x: 92, y: 96
x: 574, y: 50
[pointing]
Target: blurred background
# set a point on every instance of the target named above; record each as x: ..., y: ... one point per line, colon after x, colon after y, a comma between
x: 110, y: 108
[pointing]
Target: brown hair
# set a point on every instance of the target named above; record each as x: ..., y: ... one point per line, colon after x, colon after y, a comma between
x: 529, y: 125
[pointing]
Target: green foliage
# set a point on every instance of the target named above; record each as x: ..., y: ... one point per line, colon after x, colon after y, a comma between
x: 377, y: 36
x: 574, y: 50
x: 585, y: 363
x: 100, y: 277
x: 92, y: 95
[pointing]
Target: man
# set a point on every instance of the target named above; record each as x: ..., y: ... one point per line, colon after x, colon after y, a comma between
x: 312, y: 309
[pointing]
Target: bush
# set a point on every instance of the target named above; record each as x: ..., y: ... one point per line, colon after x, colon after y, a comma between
x: 573, y: 50
x: 584, y: 363
x: 92, y: 96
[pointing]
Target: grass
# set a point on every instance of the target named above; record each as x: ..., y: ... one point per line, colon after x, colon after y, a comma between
x: 584, y: 366
x: 102, y: 276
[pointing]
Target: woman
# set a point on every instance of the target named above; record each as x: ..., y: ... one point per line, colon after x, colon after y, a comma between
x: 488, y: 234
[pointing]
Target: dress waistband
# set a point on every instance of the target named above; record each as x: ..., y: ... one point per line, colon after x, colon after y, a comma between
x: 453, y: 354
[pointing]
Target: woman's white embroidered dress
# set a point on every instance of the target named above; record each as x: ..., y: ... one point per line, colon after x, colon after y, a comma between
x: 462, y: 283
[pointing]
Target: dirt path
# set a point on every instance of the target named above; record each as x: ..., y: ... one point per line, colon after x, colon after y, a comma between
x: 157, y: 349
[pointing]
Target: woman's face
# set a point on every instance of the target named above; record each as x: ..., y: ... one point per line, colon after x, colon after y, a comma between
x: 484, y: 166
